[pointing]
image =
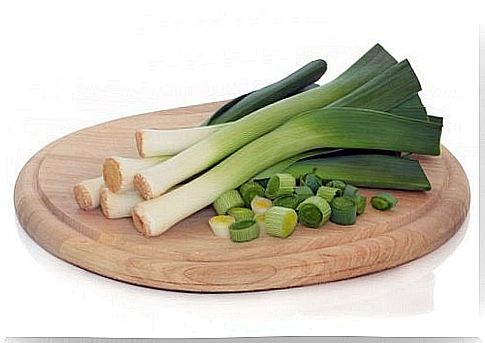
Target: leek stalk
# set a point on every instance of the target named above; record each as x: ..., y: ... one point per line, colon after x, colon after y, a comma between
x: 118, y: 205
x: 118, y: 172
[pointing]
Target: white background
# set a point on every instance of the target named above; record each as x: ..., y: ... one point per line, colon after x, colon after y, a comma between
x: 67, y: 66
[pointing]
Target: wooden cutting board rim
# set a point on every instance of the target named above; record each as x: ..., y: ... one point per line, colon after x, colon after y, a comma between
x: 66, y: 252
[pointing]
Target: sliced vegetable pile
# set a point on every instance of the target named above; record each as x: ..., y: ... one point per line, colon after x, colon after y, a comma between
x: 290, y: 152
x: 276, y: 209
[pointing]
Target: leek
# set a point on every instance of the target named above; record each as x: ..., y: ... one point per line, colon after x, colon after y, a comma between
x: 260, y: 205
x: 350, y: 190
x: 280, y: 221
x: 118, y: 205
x: 344, y: 210
x: 328, y: 127
x: 259, y: 218
x: 118, y: 172
x: 220, y: 225
x: 289, y: 201
x: 158, y: 179
x: 303, y: 192
x: 312, y: 181
x: 153, y: 142
x: 314, y: 212
x: 328, y: 193
x: 339, y: 184
x: 288, y: 86
x: 383, y: 201
x: 228, y: 200
x: 240, y: 213
x: 87, y: 192
x: 280, y: 184
x: 249, y: 190
x: 244, y: 231
x: 361, y: 203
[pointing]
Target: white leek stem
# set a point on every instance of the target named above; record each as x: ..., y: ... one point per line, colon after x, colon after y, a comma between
x: 156, y: 180
x: 118, y: 172
x: 118, y: 205
x: 153, y: 142
x: 87, y: 192
x: 155, y: 216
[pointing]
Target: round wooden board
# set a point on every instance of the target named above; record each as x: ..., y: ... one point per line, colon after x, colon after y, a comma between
x: 188, y: 257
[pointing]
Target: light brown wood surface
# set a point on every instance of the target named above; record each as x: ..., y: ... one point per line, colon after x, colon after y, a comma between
x: 189, y: 257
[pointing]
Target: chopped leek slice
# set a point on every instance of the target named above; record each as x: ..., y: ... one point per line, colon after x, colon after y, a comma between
x: 361, y: 202
x: 220, y: 225
x: 259, y: 218
x: 328, y: 193
x: 260, y: 205
x: 336, y: 184
x: 311, y: 180
x: 240, y: 213
x: 280, y: 221
x: 344, y: 210
x: 280, y: 184
x: 249, y: 190
x: 244, y: 231
x: 303, y: 192
x: 350, y: 190
x: 227, y: 201
x: 383, y: 201
x: 290, y: 201
x: 314, y: 212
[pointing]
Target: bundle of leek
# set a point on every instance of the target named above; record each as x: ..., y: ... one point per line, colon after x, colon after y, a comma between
x: 156, y: 146
x: 156, y: 180
x: 324, y: 117
x: 328, y: 127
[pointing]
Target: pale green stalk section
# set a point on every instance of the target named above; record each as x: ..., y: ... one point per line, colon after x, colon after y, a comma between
x: 331, y: 127
x: 158, y: 179
x: 154, y: 142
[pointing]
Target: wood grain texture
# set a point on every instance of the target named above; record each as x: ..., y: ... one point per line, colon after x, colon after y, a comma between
x: 188, y: 257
